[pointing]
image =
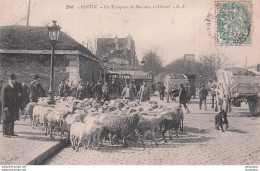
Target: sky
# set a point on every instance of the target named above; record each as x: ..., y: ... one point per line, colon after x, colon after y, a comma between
x: 172, y: 31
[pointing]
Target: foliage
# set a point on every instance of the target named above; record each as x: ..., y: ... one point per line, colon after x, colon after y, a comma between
x: 152, y: 61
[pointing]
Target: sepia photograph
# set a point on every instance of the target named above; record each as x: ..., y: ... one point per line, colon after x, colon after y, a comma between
x: 129, y: 82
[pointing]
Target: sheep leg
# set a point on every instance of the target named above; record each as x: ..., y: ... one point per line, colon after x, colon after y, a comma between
x: 78, y: 143
x: 139, y: 137
x: 163, y: 134
x: 153, y: 135
x: 93, y: 141
x: 170, y: 134
x: 85, y: 144
x: 124, y: 143
x: 72, y: 137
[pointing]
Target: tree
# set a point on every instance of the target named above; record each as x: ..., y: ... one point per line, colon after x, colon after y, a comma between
x: 152, y: 61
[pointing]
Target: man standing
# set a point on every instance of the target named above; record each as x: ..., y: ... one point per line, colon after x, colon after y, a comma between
x: 81, y: 90
x: 10, y: 107
x: 61, y: 88
x: 203, y: 93
x: 97, y: 89
x: 127, y: 92
x: 161, y: 91
x: 105, y: 92
x: 36, y: 90
x: 67, y: 89
x: 144, y: 92
x: 183, y: 96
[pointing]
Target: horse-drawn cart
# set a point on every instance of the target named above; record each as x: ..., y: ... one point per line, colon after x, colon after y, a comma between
x: 172, y: 83
x: 236, y: 85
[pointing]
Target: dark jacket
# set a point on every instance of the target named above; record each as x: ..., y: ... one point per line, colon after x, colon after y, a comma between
x: 25, y: 95
x: 81, y: 92
x: 203, y: 93
x: 161, y: 89
x: 9, y: 100
x: 36, y: 91
x: 183, y: 95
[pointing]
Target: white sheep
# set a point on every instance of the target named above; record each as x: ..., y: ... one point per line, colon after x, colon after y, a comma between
x: 86, y: 132
x: 151, y: 123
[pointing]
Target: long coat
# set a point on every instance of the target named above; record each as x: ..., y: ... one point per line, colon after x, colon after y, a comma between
x: 36, y: 91
x: 144, y: 93
x: 183, y: 95
x: 9, y: 100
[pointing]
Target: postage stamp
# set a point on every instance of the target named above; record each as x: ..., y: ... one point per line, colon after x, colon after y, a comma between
x: 234, y: 22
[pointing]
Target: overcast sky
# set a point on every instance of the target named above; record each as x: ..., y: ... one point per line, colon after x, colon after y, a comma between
x: 173, y: 31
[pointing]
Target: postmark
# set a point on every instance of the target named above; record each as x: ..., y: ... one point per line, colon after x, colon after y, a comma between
x: 234, y: 22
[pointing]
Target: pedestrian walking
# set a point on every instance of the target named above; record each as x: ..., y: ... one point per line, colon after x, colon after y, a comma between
x: 97, y: 89
x: 127, y: 92
x: 213, y: 85
x: 10, y: 107
x: 203, y: 93
x: 81, y: 91
x: 36, y: 90
x: 105, y: 92
x: 144, y: 92
x: 161, y: 91
x: 183, y: 97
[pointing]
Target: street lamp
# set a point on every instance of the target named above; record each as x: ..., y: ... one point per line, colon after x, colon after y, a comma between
x: 105, y: 60
x: 53, y: 32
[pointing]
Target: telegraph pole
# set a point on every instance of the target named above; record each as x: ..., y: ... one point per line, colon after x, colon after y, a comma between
x: 28, y: 13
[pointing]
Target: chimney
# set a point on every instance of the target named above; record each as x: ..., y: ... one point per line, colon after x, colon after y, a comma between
x: 129, y: 42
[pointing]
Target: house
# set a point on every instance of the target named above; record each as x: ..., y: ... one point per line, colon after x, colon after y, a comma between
x: 26, y: 51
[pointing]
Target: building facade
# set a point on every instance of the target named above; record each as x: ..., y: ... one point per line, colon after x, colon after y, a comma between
x: 26, y: 51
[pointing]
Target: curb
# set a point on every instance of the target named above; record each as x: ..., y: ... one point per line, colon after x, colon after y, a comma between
x: 39, y: 156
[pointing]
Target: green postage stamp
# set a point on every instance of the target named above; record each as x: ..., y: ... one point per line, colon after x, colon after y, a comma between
x: 234, y: 22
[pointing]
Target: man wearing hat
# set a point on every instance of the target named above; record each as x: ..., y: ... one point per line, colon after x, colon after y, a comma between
x: 10, y: 107
x: 36, y: 89
x: 203, y: 93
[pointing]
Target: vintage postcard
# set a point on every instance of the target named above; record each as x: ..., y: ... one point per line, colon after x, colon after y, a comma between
x: 130, y: 82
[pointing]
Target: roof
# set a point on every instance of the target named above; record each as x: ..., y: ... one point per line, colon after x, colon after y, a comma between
x: 36, y: 38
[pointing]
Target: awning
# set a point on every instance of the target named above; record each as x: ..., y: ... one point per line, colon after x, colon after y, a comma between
x: 133, y: 74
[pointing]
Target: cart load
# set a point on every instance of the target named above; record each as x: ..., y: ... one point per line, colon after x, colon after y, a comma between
x: 239, y: 84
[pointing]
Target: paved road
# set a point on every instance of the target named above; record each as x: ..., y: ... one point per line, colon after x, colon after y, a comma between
x: 199, y: 144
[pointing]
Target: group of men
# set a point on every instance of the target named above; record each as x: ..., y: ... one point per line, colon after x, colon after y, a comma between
x: 14, y: 97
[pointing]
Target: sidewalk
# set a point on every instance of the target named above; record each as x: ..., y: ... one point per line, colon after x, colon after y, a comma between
x: 30, y: 147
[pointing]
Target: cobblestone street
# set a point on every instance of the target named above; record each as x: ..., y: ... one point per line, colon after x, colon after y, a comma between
x: 199, y: 144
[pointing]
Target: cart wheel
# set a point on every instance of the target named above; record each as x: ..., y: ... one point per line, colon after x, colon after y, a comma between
x: 254, y: 107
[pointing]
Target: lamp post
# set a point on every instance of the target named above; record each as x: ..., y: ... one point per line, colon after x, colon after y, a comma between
x: 105, y: 60
x: 53, y: 32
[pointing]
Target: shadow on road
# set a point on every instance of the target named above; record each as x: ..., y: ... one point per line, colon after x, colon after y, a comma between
x: 237, y: 130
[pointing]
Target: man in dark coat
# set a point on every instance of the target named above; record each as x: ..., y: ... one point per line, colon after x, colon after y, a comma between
x: 97, y: 89
x: 161, y: 91
x: 10, y: 107
x: 19, y: 90
x: 81, y: 90
x: 67, y: 89
x: 36, y: 90
x: 203, y: 93
x: 183, y: 97
x: 25, y: 95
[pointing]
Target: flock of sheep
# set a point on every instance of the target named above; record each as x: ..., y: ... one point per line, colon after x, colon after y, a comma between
x: 89, y: 122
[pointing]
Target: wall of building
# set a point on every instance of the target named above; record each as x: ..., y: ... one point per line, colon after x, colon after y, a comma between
x: 26, y: 66
x: 89, y: 70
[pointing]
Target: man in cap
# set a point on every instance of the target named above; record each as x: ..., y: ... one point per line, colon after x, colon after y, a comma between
x: 36, y: 89
x: 144, y: 92
x: 10, y: 107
